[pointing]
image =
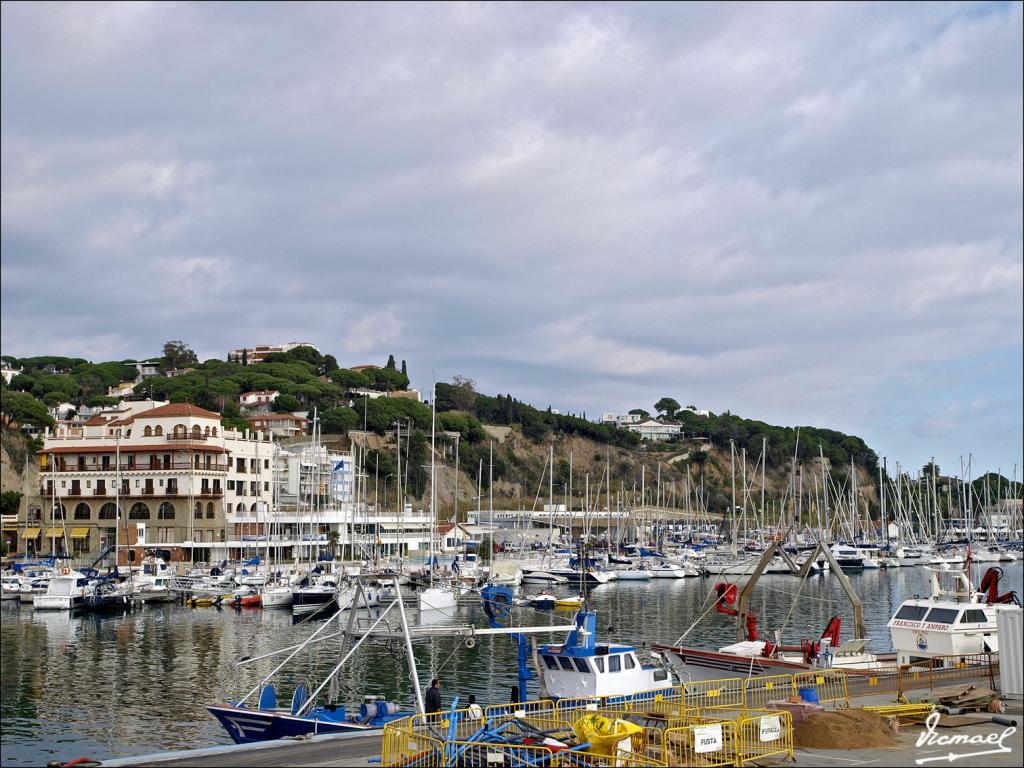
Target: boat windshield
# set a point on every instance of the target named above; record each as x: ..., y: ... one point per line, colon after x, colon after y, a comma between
x: 912, y: 612
x: 943, y: 615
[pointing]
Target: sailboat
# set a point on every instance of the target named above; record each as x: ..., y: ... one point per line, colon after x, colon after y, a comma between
x: 436, y: 597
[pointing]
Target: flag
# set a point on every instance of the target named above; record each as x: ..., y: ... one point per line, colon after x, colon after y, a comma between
x: 341, y: 480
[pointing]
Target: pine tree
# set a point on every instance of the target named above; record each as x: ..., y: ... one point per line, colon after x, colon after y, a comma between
x: 245, y: 356
x: 404, y: 371
x: 391, y: 362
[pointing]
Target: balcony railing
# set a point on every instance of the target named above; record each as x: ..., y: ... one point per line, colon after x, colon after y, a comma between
x: 155, y: 466
x: 180, y: 437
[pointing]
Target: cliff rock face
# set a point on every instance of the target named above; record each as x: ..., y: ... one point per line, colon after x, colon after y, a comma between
x: 19, y: 469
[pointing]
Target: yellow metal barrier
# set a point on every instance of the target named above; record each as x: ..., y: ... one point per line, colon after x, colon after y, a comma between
x: 575, y: 759
x: 522, y: 708
x: 765, y: 735
x: 709, y: 744
x: 404, y: 748
x: 758, y: 691
x: 714, y: 693
x: 905, y: 713
x: 870, y: 682
x: 830, y: 684
x: 570, y: 709
x: 483, y: 754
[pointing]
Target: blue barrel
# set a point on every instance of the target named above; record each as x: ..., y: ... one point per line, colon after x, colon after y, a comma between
x: 809, y: 694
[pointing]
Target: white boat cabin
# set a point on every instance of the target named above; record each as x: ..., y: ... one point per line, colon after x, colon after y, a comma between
x: 581, y: 667
x: 955, y: 621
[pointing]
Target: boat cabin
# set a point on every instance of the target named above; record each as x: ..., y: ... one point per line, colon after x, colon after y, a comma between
x: 954, y: 621
x: 581, y: 667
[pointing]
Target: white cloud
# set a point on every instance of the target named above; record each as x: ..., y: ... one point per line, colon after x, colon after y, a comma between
x: 773, y: 209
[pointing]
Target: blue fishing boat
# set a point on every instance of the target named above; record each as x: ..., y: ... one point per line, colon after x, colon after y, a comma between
x: 267, y: 721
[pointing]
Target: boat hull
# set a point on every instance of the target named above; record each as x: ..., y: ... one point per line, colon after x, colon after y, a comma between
x: 246, y: 726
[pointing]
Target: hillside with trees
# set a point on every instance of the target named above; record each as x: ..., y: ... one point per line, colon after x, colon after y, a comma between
x: 310, y: 381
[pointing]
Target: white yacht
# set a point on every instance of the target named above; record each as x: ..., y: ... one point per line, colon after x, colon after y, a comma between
x: 65, y: 592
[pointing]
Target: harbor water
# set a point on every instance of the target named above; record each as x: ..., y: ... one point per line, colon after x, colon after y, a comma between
x: 112, y: 686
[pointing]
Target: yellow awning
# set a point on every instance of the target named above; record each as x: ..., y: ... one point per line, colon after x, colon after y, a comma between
x: 10, y: 530
x: 54, y: 532
x: 30, y: 533
x: 79, y: 533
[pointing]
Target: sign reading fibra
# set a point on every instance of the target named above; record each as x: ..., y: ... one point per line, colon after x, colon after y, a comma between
x: 707, y: 738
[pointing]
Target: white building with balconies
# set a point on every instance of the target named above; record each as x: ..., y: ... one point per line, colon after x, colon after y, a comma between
x: 146, y: 475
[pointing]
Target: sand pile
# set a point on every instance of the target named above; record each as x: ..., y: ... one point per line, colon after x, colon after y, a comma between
x: 844, y: 729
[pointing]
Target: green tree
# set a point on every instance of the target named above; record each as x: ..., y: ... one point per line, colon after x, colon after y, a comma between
x: 391, y: 363
x: 338, y: 421
x: 232, y: 417
x: 463, y: 395
x: 386, y: 379
x: 666, y: 406
x: 178, y: 354
x: 405, y: 372
x: 286, y: 403
x: 9, y: 502
x: 245, y: 356
x: 101, y: 401
x: 22, y: 408
x: 347, y: 378
x: 641, y: 413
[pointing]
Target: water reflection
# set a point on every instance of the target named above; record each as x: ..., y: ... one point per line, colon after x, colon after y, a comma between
x: 138, y: 683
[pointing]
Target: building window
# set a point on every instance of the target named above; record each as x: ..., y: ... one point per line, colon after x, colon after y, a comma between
x: 159, y: 431
x: 108, y: 511
x: 147, y: 432
x: 231, y: 485
x: 82, y: 512
x: 166, y: 511
x: 209, y: 510
x: 139, y: 511
x: 199, y: 511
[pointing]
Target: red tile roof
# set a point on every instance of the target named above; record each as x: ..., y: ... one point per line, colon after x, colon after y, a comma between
x: 178, y: 410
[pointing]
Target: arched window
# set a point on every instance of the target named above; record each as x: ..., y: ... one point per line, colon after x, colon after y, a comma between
x: 82, y: 512
x: 214, y: 431
x: 199, y: 510
x: 209, y: 510
x: 253, y: 508
x: 159, y: 431
x: 197, y: 431
x: 108, y: 511
x: 147, y: 432
x: 180, y: 430
x: 239, y: 507
x: 206, y: 432
x: 139, y: 511
x: 60, y: 512
x: 166, y: 511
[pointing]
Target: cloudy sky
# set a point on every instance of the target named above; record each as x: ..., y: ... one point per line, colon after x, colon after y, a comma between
x: 807, y: 214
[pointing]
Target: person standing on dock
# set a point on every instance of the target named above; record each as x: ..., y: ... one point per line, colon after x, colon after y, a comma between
x: 475, y: 711
x: 433, y: 700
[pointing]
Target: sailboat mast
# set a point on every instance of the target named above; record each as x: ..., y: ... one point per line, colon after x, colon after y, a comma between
x: 433, y: 514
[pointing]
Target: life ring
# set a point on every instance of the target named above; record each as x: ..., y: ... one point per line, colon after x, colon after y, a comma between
x: 65, y: 571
